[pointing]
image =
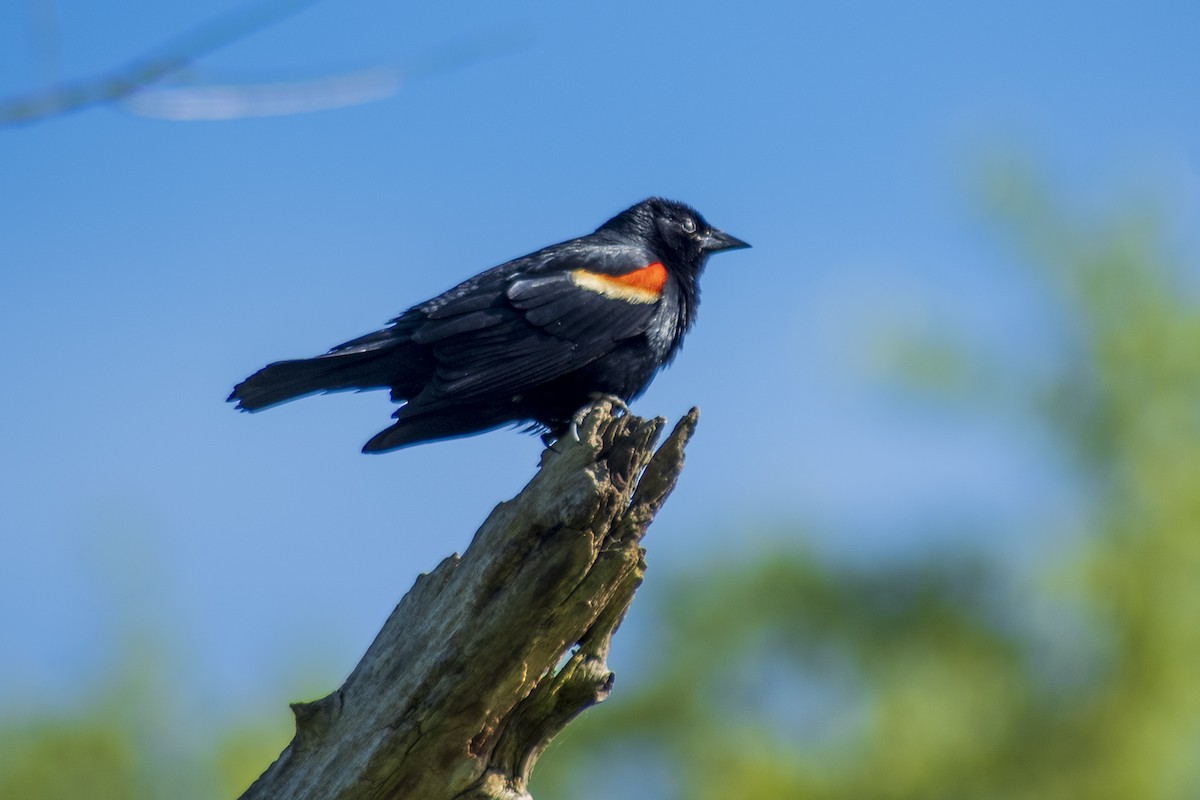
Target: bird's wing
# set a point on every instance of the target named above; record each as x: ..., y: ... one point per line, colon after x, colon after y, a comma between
x: 528, y: 327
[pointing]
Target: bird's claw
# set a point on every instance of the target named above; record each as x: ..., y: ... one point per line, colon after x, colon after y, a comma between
x: 617, y: 403
x: 550, y: 440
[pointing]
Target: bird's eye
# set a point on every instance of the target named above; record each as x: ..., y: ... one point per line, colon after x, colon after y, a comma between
x: 689, y: 225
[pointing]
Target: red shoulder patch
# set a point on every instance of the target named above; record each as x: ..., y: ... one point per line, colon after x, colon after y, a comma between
x: 651, y: 278
x: 643, y: 285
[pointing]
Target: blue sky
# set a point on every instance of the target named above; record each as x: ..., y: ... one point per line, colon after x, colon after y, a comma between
x: 149, y: 265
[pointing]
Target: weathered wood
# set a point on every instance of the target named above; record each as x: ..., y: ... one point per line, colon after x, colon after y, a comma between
x: 462, y: 689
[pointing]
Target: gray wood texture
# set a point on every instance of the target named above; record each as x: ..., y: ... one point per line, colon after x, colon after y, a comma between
x: 493, y: 653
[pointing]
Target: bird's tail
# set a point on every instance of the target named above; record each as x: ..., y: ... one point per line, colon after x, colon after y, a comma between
x: 286, y: 380
x: 375, y: 361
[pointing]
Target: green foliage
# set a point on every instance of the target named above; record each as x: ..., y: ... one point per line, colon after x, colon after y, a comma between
x: 61, y: 760
x: 789, y: 677
x: 133, y: 743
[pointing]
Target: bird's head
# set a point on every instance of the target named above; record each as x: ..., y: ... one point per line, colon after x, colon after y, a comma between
x: 675, y: 232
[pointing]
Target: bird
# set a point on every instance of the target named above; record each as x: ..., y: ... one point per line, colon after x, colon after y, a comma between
x: 530, y: 342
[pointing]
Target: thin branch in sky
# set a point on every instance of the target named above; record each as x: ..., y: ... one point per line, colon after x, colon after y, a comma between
x: 221, y: 101
x: 189, y: 97
x: 64, y: 97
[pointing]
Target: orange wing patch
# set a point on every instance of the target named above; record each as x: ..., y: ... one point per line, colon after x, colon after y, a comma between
x: 643, y: 285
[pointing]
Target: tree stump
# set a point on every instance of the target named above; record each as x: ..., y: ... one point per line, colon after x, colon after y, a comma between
x: 490, y: 655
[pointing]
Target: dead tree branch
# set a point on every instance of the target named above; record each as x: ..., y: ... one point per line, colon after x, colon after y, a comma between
x: 462, y: 689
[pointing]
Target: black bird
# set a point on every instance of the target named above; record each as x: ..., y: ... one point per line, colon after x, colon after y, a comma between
x: 530, y: 341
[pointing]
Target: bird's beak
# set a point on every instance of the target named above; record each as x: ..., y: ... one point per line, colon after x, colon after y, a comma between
x: 715, y: 241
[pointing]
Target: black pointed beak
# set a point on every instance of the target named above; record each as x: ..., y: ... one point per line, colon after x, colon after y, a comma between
x: 715, y: 241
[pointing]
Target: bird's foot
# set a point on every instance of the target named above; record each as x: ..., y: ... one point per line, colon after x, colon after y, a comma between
x: 553, y: 438
x: 600, y: 397
x: 594, y: 399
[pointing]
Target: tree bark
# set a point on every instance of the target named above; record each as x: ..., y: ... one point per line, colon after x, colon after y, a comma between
x: 490, y: 655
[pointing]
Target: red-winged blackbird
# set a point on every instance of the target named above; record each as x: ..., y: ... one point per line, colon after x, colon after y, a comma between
x: 530, y: 341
